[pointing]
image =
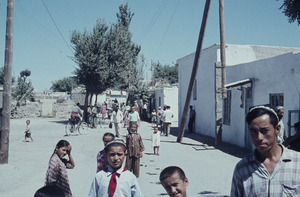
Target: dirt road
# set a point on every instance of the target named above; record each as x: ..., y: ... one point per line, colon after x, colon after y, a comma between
x: 209, y: 170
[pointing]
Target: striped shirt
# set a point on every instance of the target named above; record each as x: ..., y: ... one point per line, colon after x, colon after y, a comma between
x: 57, y: 174
x: 251, y: 177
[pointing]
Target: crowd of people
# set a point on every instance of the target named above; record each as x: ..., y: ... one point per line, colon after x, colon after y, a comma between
x: 273, y: 169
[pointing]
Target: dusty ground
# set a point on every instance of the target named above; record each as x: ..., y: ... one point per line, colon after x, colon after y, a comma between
x: 209, y: 170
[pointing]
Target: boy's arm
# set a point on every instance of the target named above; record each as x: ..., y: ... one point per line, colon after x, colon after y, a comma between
x: 135, y: 189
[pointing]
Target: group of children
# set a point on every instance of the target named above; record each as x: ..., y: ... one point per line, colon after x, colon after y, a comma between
x: 112, y: 177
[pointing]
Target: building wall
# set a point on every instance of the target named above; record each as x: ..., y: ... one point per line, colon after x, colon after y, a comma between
x: 205, y: 122
x: 168, y: 96
x: 278, y: 74
x: 262, y: 58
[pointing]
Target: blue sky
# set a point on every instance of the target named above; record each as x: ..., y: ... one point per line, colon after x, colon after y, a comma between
x: 166, y: 30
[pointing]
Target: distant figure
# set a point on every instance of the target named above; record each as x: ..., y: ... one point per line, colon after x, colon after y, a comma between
x: 155, y: 140
x: 159, y: 116
x: 49, y: 191
x: 135, y: 147
x: 117, y: 119
x: 102, y: 163
x: 57, y: 170
x: 116, y: 181
x: 103, y: 111
x: 272, y: 169
x: 133, y: 117
x: 174, y: 181
x: 293, y: 142
x: 153, y: 118
x: 281, y: 135
x: 192, y: 119
x: 136, y: 107
x: 28, y: 131
x: 76, y: 113
x: 168, y: 115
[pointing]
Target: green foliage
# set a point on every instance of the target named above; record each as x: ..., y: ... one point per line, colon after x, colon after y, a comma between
x: 2, y: 77
x: 24, y: 89
x: 166, y: 73
x: 140, y: 91
x: 291, y: 8
x: 106, y: 57
x: 65, y: 84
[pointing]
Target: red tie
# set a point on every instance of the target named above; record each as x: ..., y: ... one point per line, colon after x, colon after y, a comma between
x: 113, y: 183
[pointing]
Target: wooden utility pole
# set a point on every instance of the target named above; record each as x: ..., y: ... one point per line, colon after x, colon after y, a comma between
x: 194, y: 71
x: 220, y: 90
x: 5, y: 126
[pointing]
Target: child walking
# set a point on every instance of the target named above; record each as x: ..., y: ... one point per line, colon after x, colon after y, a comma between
x: 28, y: 131
x: 102, y: 163
x: 135, y: 147
x: 116, y: 180
x: 155, y: 139
x: 57, y: 170
x: 153, y: 118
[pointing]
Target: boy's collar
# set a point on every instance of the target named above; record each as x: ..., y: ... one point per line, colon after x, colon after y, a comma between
x: 110, y: 169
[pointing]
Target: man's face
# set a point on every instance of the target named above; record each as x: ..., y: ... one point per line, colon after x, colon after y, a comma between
x: 280, y: 113
x: 263, y: 133
x: 175, y: 186
x: 115, y: 156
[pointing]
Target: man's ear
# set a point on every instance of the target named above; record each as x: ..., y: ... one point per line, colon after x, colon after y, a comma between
x: 277, y: 128
x: 186, y: 182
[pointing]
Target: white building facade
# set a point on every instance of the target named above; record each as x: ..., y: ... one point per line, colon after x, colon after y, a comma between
x: 255, y: 75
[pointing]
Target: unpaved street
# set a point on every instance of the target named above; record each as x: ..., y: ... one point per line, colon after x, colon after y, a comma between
x: 209, y: 170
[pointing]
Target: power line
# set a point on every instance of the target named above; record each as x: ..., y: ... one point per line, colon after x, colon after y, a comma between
x: 163, y: 38
x: 56, y: 26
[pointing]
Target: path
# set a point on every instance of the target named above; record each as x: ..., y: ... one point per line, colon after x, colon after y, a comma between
x: 209, y: 170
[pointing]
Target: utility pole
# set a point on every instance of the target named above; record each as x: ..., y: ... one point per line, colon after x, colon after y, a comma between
x: 220, y: 89
x: 5, y: 126
x: 194, y: 71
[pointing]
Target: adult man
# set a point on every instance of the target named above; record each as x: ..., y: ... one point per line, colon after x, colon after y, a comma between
x: 76, y: 113
x: 293, y: 142
x: 192, y: 119
x: 133, y: 117
x: 272, y: 170
x: 117, y: 119
x: 168, y: 115
x: 281, y: 135
x: 94, y: 115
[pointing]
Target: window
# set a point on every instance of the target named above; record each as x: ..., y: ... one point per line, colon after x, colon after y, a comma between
x: 195, y: 90
x: 227, y: 108
x: 276, y: 100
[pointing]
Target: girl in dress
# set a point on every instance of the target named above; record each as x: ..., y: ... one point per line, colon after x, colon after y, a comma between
x: 57, y: 170
x: 153, y: 118
x: 155, y: 139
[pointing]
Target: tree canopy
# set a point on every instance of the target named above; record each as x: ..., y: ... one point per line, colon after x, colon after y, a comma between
x: 166, y: 73
x: 24, y: 89
x: 65, y: 84
x: 106, y: 57
x: 291, y: 8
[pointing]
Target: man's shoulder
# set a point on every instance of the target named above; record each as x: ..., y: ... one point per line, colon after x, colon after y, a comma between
x: 246, y: 161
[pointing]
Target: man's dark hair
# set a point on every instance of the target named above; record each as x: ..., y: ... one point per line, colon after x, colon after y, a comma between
x: 108, y: 134
x: 169, y: 171
x: 49, y: 191
x: 261, y: 110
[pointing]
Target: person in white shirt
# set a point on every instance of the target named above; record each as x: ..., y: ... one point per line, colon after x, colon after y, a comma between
x: 117, y: 119
x: 168, y: 115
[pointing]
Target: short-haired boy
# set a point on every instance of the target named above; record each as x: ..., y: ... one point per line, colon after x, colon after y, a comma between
x: 102, y: 163
x: 174, y: 181
x: 27, y: 131
x: 116, y: 181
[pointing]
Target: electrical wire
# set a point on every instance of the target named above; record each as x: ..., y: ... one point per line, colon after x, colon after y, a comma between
x: 56, y: 26
x: 163, y: 38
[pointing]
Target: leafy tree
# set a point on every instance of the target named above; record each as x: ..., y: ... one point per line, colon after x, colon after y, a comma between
x: 2, y: 76
x: 291, y: 8
x: 166, y: 73
x: 65, y: 84
x: 24, y: 89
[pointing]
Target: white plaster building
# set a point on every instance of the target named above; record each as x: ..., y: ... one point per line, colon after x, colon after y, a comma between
x: 167, y: 96
x: 254, y: 75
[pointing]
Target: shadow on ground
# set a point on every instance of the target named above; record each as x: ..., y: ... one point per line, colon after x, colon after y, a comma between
x: 208, y: 143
